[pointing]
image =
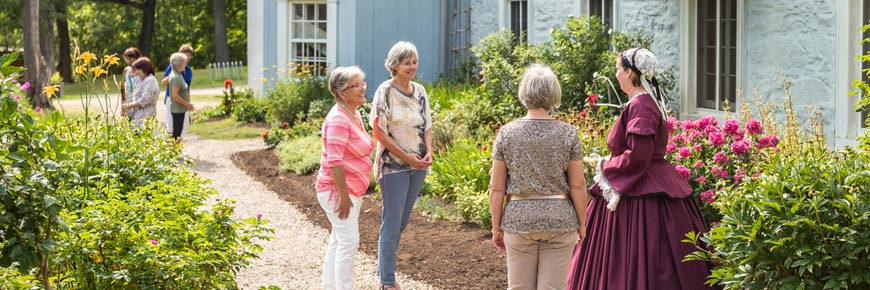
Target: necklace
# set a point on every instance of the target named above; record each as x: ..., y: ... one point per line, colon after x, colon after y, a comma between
x: 354, y: 114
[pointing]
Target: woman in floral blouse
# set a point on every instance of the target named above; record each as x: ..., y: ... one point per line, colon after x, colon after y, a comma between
x: 142, y: 103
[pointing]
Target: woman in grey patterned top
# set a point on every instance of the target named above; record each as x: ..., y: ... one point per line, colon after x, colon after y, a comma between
x: 537, y: 167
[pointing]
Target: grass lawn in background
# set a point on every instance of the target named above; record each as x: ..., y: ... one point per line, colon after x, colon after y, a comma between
x: 200, y: 81
x: 226, y: 129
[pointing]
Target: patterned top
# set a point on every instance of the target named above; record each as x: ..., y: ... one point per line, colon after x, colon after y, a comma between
x: 536, y: 153
x: 177, y: 80
x: 145, y: 94
x: 405, y: 118
x: 346, y: 144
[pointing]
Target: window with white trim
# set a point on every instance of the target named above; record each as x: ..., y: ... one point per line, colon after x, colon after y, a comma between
x: 603, y: 9
x: 308, y: 37
x: 519, y: 16
x: 716, y: 54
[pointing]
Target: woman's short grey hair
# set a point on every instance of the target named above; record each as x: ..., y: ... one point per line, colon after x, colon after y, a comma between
x: 540, y: 88
x: 402, y: 50
x: 177, y: 60
x: 340, y: 76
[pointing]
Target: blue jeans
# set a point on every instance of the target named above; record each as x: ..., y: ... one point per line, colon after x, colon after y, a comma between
x: 398, y: 193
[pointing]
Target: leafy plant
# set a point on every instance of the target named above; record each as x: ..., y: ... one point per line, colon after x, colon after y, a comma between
x: 802, y: 224
x: 293, y: 95
x: 251, y: 110
x: 300, y: 155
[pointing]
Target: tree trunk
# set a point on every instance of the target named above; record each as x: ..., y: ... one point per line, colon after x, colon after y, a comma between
x: 146, y: 35
x: 221, y: 47
x: 33, y: 61
x: 46, y: 42
x: 65, y: 55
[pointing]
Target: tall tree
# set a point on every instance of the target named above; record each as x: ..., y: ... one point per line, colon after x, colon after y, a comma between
x: 32, y: 57
x: 64, y: 57
x: 46, y: 43
x: 146, y: 34
x: 221, y: 47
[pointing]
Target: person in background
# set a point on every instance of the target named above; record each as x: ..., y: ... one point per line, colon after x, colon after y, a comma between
x: 179, y: 104
x: 187, y: 74
x: 402, y: 124
x: 545, y: 213
x: 641, y: 208
x: 142, y: 103
x: 131, y: 79
x: 344, y: 174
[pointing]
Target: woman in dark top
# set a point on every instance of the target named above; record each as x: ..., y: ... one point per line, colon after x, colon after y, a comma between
x: 641, y: 207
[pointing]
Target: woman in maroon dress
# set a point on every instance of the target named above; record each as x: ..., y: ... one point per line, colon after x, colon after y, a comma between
x: 641, y: 207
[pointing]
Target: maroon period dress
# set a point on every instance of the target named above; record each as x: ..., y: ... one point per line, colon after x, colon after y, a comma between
x: 638, y: 246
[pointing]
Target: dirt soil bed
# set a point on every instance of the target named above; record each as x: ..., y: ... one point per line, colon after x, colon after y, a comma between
x: 445, y: 254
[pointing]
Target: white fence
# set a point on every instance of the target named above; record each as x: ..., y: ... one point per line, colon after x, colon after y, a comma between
x: 226, y: 70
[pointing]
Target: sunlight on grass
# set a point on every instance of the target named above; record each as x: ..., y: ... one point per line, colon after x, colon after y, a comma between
x: 226, y: 129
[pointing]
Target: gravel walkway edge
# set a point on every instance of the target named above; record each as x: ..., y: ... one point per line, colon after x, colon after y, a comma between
x: 293, y: 260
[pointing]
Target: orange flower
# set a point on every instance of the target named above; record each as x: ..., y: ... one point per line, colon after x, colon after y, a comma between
x: 265, y: 134
x: 51, y: 90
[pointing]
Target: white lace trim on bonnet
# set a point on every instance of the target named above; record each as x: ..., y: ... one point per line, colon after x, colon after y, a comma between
x: 645, y: 61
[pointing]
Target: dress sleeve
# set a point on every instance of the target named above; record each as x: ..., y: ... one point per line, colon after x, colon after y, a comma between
x: 380, y: 108
x: 625, y: 170
x: 335, y: 140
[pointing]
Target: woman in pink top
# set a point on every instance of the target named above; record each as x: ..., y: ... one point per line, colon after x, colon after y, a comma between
x: 343, y: 178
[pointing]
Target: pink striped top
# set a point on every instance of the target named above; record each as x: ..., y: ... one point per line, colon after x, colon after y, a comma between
x: 348, y: 145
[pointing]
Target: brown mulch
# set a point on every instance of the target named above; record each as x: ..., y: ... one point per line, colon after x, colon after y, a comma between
x: 445, y: 254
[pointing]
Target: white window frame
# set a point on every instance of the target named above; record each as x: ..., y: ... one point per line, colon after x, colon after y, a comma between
x: 688, y: 59
x: 285, y: 41
x: 586, y: 8
x: 504, y: 17
x: 849, y: 20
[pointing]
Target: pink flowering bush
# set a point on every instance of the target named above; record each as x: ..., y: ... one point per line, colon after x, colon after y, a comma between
x: 714, y: 159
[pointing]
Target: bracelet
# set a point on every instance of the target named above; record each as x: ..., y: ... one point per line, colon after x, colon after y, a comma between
x: 497, y: 231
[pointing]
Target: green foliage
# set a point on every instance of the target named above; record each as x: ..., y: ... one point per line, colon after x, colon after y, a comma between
x: 111, y: 28
x: 251, y: 110
x: 229, y: 101
x: 461, y: 174
x: 803, y: 224
x: 98, y: 204
x: 13, y: 280
x: 300, y: 155
x: 580, y: 54
x: 291, y: 98
x: 279, y: 134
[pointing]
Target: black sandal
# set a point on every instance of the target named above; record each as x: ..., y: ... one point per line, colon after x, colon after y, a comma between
x: 388, y: 287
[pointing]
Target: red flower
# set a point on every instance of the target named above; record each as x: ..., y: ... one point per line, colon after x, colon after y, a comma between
x: 228, y: 83
x: 265, y: 134
x: 484, y: 148
x: 592, y: 100
x: 284, y: 125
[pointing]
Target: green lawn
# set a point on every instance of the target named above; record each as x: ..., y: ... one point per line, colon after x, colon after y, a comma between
x: 200, y: 81
x: 226, y: 129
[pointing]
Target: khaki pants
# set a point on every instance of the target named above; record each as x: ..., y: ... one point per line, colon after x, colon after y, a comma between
x: 539, y: 261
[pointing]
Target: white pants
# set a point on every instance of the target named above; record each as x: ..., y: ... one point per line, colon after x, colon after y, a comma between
x: 169, y: 119
x: 342, y: 245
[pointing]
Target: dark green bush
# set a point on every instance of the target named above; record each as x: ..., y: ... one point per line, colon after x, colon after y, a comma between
x: 251, y: 110
x: 292, y: 97
x: 803, y: 224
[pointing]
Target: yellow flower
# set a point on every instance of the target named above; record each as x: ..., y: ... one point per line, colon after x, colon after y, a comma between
x: 80, y: 70
x: 51, y: 91
x: 264, y: 80
x: 88, y: 56
x: 111, y: 59
x: 98, y: 71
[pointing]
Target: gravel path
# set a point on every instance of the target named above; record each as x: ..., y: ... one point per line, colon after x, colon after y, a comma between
x: 293, y: 260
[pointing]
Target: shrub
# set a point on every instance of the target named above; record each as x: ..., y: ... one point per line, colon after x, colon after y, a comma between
x: 461, y: 168
x: 278, y: 134
x: 802, y: 224
x: 230, y: 99
x: 251, y: 110
x: 292, y: 97
x: 300, y: 155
